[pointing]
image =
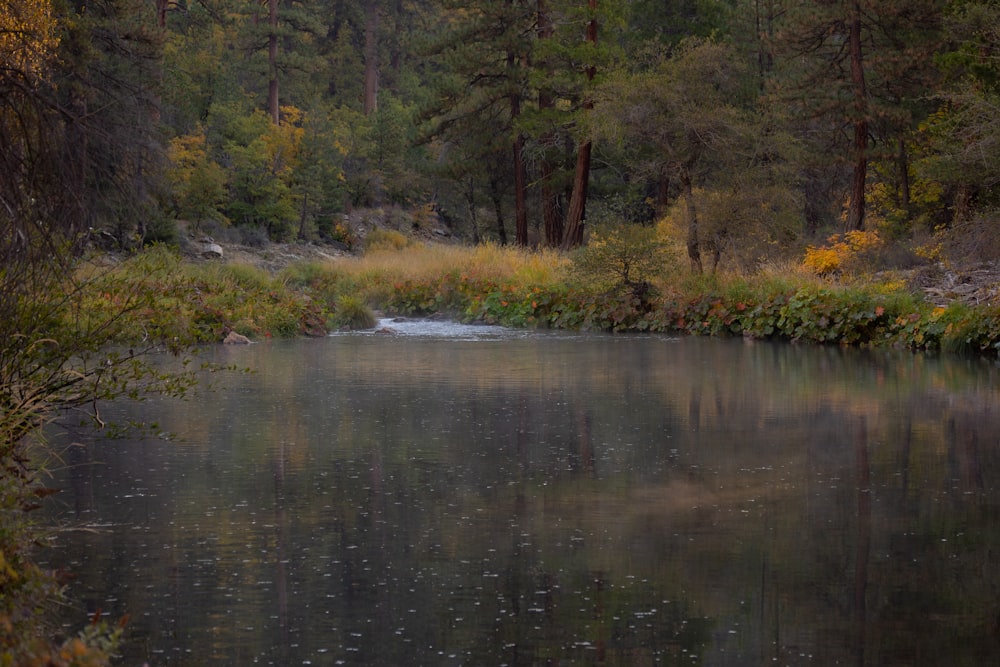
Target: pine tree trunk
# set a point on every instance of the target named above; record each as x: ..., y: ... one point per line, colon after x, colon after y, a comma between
x: 573, y: 232
x: 551, y: 219
x: 161, y: 13
x: 520, y: 194
x: 662, y: 194
x: 497, y: 198
x: 856, y: 210
x: 693, y: 243
x: 520, y: 174
x: 550, y: 207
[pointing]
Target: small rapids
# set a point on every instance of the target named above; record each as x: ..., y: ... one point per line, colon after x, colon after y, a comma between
x: 426, y: 328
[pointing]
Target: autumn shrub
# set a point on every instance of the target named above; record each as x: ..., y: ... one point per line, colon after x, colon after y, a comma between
x: 342, y: 233
x: 842, y: 252
x: 385, y: 239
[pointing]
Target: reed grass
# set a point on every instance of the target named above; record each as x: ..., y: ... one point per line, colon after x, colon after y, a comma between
x: 487, y: 261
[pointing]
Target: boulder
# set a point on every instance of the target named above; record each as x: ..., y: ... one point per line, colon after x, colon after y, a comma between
x: 233, y: 338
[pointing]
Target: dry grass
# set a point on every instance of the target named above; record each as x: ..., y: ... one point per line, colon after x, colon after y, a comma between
x: 500, y: 263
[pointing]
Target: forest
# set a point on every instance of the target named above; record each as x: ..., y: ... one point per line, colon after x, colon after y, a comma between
x: 755, y: 126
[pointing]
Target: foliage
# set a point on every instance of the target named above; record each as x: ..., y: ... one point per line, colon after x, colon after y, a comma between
x: 385, y: 239
x: 840, y: 252
x: 785, y: 306
x: 352, y: 313
x: 524, y: 289
x: 963, y: 133
x: 621, y: 257
x: 308, y: 274
x: 28, y: 36
x: 57, y: 356
x: 681, y: 120
x: 854, y: 78
x: 198, y: 183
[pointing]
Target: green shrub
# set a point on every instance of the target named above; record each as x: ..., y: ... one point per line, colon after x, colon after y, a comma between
x: 313, y: 274
x: 623, y: 258
x: 352, y: 313
x: 973, y: 332
x: 246, y: 276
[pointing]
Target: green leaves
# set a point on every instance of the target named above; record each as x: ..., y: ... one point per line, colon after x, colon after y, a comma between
x: 621, y: 258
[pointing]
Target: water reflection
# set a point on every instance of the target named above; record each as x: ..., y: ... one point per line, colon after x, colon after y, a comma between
x: 529, y: 500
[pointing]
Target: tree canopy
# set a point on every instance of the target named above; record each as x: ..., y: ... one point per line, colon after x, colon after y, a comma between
x: 494, y: 112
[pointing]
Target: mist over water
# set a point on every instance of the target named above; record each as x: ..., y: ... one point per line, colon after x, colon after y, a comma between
x: 451, y: 495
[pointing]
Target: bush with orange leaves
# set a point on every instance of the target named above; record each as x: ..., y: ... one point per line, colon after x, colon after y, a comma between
x: 841, y: 252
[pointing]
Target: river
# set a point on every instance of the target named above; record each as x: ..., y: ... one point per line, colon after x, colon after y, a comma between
x: 451, y: 495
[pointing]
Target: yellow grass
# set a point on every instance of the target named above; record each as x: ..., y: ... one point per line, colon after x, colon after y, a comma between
x: 487, y: 261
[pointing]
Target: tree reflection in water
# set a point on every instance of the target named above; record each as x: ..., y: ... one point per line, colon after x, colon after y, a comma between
x: 536, y: 499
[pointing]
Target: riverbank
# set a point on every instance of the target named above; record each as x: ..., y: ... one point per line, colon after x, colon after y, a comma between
x: 290, y: 290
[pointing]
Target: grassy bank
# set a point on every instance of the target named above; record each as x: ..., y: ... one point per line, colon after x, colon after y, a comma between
x: 535, y: 289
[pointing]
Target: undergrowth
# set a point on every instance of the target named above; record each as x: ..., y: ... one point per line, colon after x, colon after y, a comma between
x: 501, y: 285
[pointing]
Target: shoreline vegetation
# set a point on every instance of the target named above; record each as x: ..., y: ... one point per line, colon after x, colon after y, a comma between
x: 590, y: 290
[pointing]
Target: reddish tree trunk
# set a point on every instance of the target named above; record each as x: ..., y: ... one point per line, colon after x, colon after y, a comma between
x: 856, y: 210
x: 581, y: 177
x: 662, y: 199
x: 573, y: 231
x: 550, y: 198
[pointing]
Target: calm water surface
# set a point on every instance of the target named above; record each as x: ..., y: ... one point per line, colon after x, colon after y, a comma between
x: 464, y: 496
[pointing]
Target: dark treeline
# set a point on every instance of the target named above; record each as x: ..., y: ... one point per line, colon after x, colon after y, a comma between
x: 753, y: 123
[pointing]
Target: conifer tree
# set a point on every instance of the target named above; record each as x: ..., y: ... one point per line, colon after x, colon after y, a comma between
x: 482, y: 51
x: 852, y: 71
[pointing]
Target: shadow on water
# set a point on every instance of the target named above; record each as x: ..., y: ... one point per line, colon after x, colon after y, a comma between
x: 478, y: 496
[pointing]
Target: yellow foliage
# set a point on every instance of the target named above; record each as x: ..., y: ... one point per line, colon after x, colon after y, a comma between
x: 930, y: 252
x: 842, y: 248
x: 27, y: 36
x: 197, y: 181
x: 379, y: 240
x: 186, y: 152
x: 284, y: 141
